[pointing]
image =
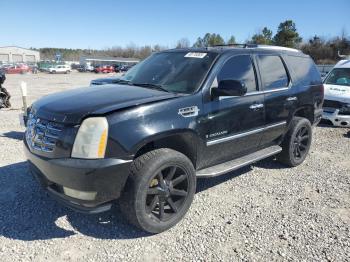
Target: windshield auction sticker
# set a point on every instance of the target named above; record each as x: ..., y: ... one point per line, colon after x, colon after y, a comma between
x: 195, y: 55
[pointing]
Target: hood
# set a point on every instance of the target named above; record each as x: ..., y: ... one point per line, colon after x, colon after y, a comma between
x: 337, y: 93
x: 73, y: 105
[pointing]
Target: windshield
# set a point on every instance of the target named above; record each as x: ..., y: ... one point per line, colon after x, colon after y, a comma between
x: 179, y: 72
x: 339, y: 76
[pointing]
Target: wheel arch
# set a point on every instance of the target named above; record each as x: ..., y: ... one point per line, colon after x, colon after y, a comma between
x: 307, y: 112
x: 184, y: 142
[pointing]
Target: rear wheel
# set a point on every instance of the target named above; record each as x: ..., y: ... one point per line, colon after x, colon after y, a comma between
x: 159, y: 191
x: 297, y: 142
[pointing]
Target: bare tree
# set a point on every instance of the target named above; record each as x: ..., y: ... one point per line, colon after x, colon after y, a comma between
x: 183, y: 43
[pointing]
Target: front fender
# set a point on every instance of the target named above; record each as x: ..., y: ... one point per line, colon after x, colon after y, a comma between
x: 135, y: 127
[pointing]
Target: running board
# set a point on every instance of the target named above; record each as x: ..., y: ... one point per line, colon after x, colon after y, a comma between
x: 239, y: 162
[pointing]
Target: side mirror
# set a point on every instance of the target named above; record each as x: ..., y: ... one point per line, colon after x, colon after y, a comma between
x: 229, y: 88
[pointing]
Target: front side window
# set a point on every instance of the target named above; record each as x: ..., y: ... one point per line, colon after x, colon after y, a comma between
x: 273, y: 72
x: 179, y: 72
x: 339, y: 76
x: 239, y: 68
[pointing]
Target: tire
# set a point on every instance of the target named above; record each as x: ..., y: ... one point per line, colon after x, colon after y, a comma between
x: 159, y: 190
x: 296, y: 143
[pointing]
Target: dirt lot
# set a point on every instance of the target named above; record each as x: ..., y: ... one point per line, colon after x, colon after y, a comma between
x: 264, y: 212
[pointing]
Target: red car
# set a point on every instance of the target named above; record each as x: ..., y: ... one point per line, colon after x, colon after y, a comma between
x: 18, y: 69
x: 104, y: 69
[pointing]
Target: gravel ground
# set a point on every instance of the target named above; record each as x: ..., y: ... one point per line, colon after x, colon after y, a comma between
x: 263, y: 212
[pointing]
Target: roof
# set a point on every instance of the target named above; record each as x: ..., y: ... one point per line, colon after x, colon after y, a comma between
x: 343, y: 64
x: 14, y: 46
x: 241, y: 47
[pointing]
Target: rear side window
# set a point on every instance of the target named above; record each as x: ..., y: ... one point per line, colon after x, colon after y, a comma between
x: 239, y: 68
x: 273, y: 72
x: 304, y: 71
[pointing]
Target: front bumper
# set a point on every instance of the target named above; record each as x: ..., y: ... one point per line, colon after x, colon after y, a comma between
x: 336, y: 118
x: 105, y: 177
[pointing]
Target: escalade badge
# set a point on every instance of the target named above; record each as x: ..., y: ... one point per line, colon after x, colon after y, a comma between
x: 189, y: 111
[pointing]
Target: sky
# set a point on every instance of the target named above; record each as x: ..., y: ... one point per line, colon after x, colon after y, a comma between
x: 101, y: 24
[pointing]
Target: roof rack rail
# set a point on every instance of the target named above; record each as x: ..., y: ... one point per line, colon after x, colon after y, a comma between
x: 237, y: 45
x: 272, y: 47
x: 275, y: 47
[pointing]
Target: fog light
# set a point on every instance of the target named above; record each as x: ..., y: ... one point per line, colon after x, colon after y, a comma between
x: 83, y: 195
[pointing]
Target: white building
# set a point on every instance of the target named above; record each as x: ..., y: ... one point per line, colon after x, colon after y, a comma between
x: 15, y: 54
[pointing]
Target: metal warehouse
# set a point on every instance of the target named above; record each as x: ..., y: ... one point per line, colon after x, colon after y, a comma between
x: 14, y: 54
x: 108, y: 60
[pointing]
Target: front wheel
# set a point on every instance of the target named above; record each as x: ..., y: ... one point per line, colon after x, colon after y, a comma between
x: 296, y: 143
x: 159, y: 191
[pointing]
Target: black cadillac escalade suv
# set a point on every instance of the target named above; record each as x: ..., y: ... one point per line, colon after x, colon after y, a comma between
x: 178, y: 115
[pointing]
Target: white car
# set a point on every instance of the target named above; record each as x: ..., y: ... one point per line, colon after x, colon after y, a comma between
x: 60, y: 69
x: 336, y: 106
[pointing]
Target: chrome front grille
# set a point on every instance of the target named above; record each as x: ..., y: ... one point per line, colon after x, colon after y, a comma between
x: 41, y: 135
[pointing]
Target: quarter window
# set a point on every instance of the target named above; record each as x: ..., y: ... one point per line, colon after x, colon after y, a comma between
x: 239, y: 68
x: 273, y: 72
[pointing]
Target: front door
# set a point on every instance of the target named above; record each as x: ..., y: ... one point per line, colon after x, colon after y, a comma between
x: 232, y: 125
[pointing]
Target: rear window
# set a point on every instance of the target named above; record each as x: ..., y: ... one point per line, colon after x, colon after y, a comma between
x: 273, y: 72
x: 304, y: 70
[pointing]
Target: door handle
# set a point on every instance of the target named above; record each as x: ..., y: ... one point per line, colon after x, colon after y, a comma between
x: 292, y: 98
x: 256, y: 106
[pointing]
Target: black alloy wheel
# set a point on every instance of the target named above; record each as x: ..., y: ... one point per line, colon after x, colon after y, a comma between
x: 296, y: 143
x: 167, y: 193
x: 301, y: 143
x: 159, y: 190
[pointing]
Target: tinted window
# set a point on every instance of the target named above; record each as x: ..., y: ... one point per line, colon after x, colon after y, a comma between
x: 304, y: 70
x: 339, y: 76
x: 180, y: 72
x: 273, y: 72
x: 239, y: 68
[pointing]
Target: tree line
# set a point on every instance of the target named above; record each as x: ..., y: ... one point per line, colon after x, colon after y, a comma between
x: 323, y: 51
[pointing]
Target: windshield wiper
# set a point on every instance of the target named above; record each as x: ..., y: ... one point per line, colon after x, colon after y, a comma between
x: 153, y: 86
x: 123, y: 82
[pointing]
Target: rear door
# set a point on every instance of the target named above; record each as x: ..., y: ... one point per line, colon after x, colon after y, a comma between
x: 232, y: 124
x: 280, y: 97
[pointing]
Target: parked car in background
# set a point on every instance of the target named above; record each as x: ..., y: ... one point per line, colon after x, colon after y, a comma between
x: 18, y: 69
x: 336, y: 106
x: 104, y: 69
x: 75, y: 66
x: 44, y: 66
x: 116, y: 68
x: 4, y: 66
x: 124, y: 68
x: 65, y: 69
x: 85, y: 68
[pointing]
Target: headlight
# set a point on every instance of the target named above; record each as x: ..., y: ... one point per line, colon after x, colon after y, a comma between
x: 91, y: 140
